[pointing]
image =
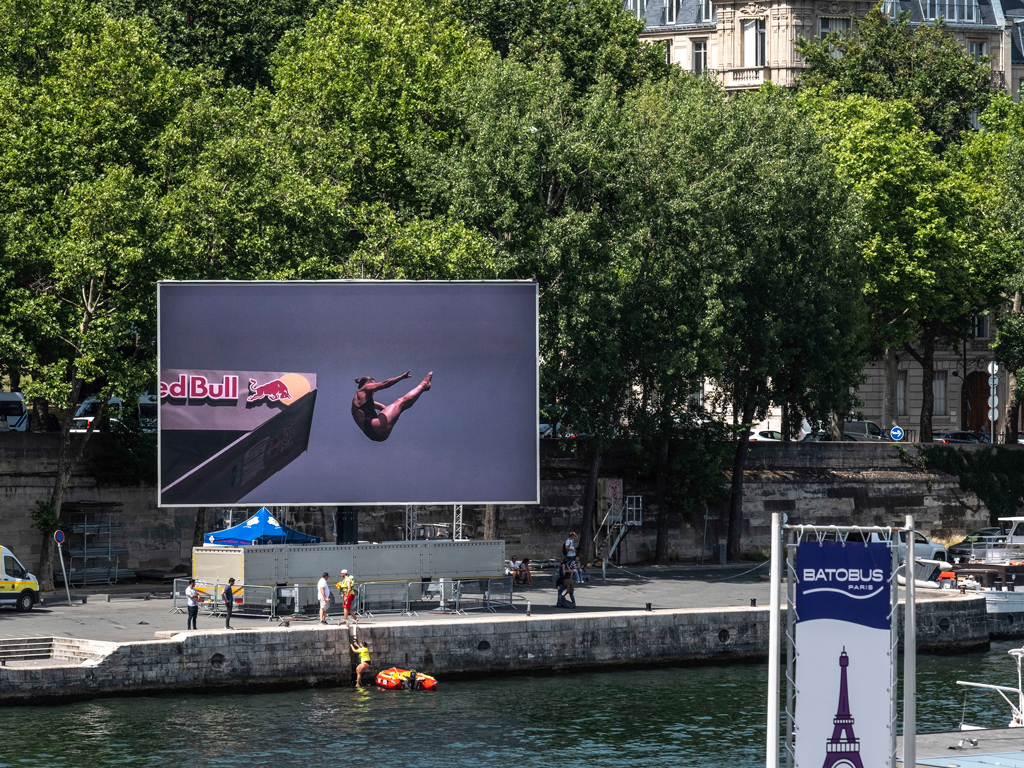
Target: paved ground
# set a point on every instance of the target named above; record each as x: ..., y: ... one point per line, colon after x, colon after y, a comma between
x: 127, y: 617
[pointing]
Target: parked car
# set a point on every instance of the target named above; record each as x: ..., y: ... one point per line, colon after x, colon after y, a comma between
x: 90, y: 407
x: 974, y: 542
x: 766, y: 435
x: 823, y: 437
x: 955, y: 436
x: 863, y: 430
x: 924, y: 548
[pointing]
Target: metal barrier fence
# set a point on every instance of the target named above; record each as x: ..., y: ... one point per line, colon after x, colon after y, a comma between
x: 251, y: 600
x: 456, y: 596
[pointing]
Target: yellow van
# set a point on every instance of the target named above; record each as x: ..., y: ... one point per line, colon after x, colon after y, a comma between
x: 18, y: 587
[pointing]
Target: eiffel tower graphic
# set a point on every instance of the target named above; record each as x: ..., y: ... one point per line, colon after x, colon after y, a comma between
x: 843, y: 749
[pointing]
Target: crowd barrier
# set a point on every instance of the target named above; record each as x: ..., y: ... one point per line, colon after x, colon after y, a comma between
x: 457, y: 596
x: 249, y: 600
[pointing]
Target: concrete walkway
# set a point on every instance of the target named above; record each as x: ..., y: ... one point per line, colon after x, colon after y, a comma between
x: 129, y: 617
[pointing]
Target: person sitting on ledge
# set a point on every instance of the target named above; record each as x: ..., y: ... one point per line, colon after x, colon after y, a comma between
x: 524, y: 572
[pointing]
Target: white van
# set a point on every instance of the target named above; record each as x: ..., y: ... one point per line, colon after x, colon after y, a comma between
x: 12, y: 405
x: 90, y: 408
x: 18, y: 587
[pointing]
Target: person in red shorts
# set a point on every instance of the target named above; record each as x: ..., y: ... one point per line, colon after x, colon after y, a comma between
x: 347, y: 587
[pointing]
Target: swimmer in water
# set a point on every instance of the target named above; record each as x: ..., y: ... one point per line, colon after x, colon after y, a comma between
x: 378, y: 420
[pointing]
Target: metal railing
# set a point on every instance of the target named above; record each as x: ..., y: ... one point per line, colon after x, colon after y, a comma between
x: 249, y: 600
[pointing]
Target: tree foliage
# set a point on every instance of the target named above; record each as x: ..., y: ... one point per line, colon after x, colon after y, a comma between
x: 889, y: 60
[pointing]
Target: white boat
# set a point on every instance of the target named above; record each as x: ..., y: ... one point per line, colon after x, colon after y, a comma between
x: 1016, y: 706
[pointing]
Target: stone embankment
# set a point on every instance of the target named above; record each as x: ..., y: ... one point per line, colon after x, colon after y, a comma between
x: 450, y: 648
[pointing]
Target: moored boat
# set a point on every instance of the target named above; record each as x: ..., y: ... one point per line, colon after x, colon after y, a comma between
x: 394, y: 679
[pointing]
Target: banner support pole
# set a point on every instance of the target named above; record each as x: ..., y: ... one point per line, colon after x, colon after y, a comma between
x: 909, y: 654
x: 774, y: 621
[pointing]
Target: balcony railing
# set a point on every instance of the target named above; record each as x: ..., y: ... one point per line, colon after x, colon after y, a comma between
x: 748, y: 77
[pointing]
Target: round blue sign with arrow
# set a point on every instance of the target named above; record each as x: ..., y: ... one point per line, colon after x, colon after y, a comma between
x: 896, y: 433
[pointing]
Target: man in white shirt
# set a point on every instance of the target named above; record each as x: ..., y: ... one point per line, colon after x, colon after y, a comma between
x: 323, y: 592
x: 570, y: 546
x: 192, y: 598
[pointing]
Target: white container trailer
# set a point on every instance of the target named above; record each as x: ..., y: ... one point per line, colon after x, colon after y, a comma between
x: 290, y: 564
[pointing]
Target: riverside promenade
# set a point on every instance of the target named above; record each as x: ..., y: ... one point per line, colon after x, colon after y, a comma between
x: 698, y: 615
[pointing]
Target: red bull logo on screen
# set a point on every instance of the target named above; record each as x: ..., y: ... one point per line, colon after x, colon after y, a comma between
x: 200, y: 388
x: 272, y: 390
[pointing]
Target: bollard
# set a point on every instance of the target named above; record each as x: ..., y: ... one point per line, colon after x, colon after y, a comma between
x: 753, y: 602
x: 527, y: 609
x: 648, y: 606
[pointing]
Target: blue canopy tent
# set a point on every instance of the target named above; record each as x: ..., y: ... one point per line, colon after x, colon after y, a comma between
x: 261, y: 528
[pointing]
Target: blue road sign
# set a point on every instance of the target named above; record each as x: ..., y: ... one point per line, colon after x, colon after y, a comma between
x: 896, y: 433
x: 58, y: 536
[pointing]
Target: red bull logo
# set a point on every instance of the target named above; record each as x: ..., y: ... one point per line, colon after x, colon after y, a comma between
x: 273, y: 390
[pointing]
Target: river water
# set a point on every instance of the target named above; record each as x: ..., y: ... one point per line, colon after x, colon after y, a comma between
x: 670, y: 718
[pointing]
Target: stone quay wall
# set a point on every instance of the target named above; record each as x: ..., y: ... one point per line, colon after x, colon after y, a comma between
x: 308, y: 656
x: 841, y: 483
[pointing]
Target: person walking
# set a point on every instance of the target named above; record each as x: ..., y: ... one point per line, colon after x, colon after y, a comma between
x: 364, y: 660
x: 192, y: 599
x: 347, y: 588
x: 229, y: 602
x: 565, y: 585
x: 323, y: 593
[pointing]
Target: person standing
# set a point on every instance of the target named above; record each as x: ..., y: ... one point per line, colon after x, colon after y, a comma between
x: 364, y: 660
x: 569, y: 548
x: 229, y: 602
x: 347, y: 588
x: 192, y: 598
x: 323, y: 593
x: 5, y: 425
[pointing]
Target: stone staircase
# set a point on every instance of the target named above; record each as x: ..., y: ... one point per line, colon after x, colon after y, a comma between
x: 67, y: 649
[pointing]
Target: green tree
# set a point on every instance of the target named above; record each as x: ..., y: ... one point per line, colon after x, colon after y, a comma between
x: 890, y: 60
x: 76, y: 205
x: 790, y: 316
x: 930, y: 251
x: 236, y: 37
x: 593, y: 39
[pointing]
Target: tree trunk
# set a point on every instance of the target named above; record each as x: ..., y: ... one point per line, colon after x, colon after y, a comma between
x: 1012, y: 424
x: 786, y: 431
x: 890, y: 372
x: 736, y: 496
x: 661, y: 545
x: 589, y: 501
x: 491, y: 522
x: 926, y: 359
x: 67, y: 460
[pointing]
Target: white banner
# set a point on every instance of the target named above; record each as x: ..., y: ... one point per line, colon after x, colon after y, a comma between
x: 843, y: 667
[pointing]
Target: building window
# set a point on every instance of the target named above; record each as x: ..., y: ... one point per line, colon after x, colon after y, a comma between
x: 939, y: 393
x: 671, y: 8
x: 700, y: 57
x: 901, y: 393
x: 952, y: 10
x: 753, y: 43
x: 891, y: 8
x: 981, y: 326
x: 705, y: 11
x: 826, y: 25
x: 976, y: 50
x: 668, y: 51
x: 641, y: 10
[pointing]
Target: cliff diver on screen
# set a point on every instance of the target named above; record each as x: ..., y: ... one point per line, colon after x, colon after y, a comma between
x: 378, y: 426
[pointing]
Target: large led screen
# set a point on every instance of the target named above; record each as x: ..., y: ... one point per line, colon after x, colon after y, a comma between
x: 339, y: 392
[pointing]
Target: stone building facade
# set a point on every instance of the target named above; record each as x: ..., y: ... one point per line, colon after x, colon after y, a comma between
x: 746, y: 43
